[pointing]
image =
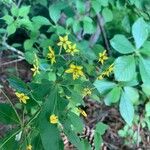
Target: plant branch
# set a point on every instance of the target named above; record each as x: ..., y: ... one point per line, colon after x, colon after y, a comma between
x: 99, y: 18
x: 5, y: 44
x: 11, y: 62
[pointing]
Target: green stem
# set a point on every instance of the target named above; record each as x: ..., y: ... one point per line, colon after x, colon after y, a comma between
x: 10, y: 138
x: 12, y: 107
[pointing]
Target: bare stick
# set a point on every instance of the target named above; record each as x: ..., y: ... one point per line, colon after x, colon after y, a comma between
x: 11, y: 62
x: 99, y: 17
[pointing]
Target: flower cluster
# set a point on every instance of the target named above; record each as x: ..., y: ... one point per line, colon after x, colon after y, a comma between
x: 51, y: 55
x: 86, y: 92
x: 22, y: 97
x: 35, y: 68
x: 53, y: 119
x: 107, y: 72
x: 29, y: 147
x: 69, y: 47
x: 75, y: 70
x: 82, y: 112
x: 102, y: 57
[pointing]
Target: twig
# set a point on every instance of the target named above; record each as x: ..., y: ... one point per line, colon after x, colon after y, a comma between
x: 5, y: 44
x: 13, y: 61
x: 99, y: 18
x: 19, y: 2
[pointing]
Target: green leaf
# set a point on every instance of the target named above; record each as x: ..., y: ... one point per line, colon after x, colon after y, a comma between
x: 124, y: 68
x: 126, y: 24
x: 73, y: 138
x: 147, y: 109
x: 104, y: 2
x: 121, y: 44
x: 8, y: 19
x: 88, y: 25
x: 103, y: 86
x: 40, y: 20
x: 132, y: 94
x: 11, y: 29
x: 113, y: 96
x: 145, y: 70
x: 97, y: 141
x: 140, y: 32
x: 29, y: 55
x: 80, y: 5
x: 28, y: 44
x: 49, y: 132
x: 146, y: 89
x: 23, y: 11
x: 76, y: 122
x: 18, y: 84
x: 107, y: 14
x: 14, y: 10
x: 7, y: 115
x: 126, y: 109
x: 96, y: 6
x: 55, y: 11
x: 146, y: 48
x: 101, y: 128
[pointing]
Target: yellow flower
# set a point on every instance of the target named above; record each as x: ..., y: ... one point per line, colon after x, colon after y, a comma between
x: 35, y: 70
x: 51, y: 55
x: 87, y: 92
x: 107, y: 72
x: 101, y: 76
x: 72, y: 49
x: 53, y: 119
x: 22, y: 97
x: 102, y: 57
x: 63, y: 41
x: 75, y: 70
x: 29, y: 147
x: 82, y: 112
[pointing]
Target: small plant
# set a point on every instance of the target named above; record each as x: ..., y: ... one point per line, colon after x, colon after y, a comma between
x: 83, y: 49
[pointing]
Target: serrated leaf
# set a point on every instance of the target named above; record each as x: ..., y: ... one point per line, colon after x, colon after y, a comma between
x: 40, y: 20
x: 126, y: 109
x: 113, y: 96
x: 145, y: 69
x: 121, y: 44
x: 23, y: 11
x: 145, y: 49
x: 8, y: 19
x: 96, y: 6
x: 146, y: 88
x: 124, y: 69
x: 147, y: 109
x: 107, y: 14
x: 103, y: 85
x: 140, y: 32
x: 11, y: 29
x: 88, y: 25
x: 132, y: 94
x: 55, y: 11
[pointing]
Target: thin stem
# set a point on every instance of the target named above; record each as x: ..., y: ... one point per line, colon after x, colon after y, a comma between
x: 10, y: 137
x: 12, y: 107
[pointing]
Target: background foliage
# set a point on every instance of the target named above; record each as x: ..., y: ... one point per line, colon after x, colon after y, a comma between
x: 28, y: 28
